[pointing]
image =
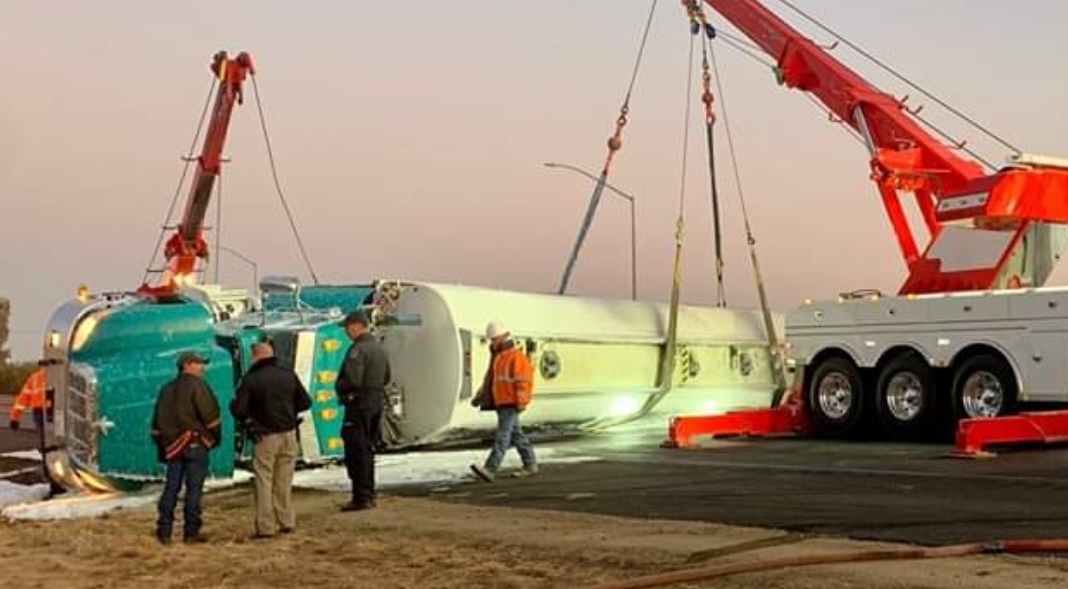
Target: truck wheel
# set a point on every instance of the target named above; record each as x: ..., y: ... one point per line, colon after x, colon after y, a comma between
x: 836, y: 397
x: 984, y: 386
x: 905, y: 397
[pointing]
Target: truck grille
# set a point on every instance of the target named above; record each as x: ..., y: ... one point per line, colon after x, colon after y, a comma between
x: 81, y: 415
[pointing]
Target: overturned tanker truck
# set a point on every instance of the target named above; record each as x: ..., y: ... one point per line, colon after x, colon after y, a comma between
x: 599, y: 362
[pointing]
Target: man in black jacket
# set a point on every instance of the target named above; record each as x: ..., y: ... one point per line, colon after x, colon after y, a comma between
x: 267, y: 403
x: 361, y: 389
x: 185, y: 427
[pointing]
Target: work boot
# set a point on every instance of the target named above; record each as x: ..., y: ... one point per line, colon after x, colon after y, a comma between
x: 483, y: 473
x: 356, y: 506
x: 195, y: 539
x: 526, y: 471
x: 163, y: 537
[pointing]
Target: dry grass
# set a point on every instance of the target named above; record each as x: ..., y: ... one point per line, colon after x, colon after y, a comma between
x: 409, y: 543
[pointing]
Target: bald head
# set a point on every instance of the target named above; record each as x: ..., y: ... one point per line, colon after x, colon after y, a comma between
x: 261, y: 350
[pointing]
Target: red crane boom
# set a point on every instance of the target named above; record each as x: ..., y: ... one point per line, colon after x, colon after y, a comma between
x: 986, y: 231
x: 187, y: 244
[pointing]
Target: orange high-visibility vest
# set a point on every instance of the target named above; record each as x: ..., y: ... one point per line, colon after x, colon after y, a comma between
x: 32, y: 395
x: 513, y: 379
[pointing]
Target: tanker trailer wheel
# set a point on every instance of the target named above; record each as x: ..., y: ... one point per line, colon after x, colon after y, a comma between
x: 984, y: 386
x: 905, y: 397
x: 836, y: 397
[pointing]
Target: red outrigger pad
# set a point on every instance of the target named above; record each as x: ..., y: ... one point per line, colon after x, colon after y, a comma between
x: 790, y: 417
x: 1045, y: 427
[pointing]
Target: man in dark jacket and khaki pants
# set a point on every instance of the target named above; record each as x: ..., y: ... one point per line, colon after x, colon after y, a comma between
x: 185, y: 427
x: 267, y: 403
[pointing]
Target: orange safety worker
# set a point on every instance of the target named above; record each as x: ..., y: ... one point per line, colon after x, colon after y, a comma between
x: 32, y: 397
x: 507, y: 388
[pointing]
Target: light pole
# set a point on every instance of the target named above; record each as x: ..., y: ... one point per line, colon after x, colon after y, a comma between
x: 238, y: 255
x: 633, y: 227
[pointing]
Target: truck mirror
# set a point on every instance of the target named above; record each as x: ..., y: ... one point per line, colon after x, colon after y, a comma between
x: 280, y: 284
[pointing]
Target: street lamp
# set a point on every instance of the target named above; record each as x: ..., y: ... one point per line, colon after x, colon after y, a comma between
x: 633, y: 228
x: 238, y: 255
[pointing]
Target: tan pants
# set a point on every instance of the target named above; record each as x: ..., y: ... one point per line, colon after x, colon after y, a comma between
x: 274, y: 460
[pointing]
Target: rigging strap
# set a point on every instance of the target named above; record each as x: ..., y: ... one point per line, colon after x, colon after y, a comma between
x: 666, y: 372
x: 710, y: 119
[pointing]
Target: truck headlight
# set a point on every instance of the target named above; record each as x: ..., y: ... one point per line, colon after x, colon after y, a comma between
x: 82, y: 333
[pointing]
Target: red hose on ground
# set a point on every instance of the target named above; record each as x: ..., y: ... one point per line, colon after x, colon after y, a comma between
x: 723, y: 570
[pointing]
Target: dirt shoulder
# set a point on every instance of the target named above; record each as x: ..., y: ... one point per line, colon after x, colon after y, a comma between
x: 426, y: 543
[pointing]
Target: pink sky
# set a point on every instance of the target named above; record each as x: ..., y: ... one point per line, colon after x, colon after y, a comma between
x: 409, y: 137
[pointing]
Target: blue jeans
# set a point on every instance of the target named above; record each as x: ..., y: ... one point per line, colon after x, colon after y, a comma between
x: 510, y: 433
x: 191, y: 468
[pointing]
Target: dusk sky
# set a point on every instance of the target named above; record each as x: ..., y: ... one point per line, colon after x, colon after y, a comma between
x: 410, y: 135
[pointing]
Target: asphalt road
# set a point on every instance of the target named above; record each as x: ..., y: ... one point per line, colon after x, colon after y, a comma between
x: 866, y: 490
x: 18, y: 470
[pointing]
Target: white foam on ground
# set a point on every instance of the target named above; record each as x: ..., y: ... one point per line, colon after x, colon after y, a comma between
x: 26, y: 503
x: 76, y: 506
x: 424, y: 468
x: 13, y: 493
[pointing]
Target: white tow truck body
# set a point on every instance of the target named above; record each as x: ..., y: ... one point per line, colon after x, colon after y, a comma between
x: 914, y: 361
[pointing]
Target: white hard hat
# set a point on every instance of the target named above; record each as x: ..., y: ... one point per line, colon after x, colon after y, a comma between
x: 495, y: 329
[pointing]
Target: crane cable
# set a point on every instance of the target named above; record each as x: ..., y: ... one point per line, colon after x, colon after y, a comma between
x: 278, y: 185
x: 775, y: 348
x: 749, y: 49
x: 615, y: 141
x: 666, y: 372
x: 699, y: 23
x: 774, y: 345
x: 189, y: 159
x: 907, y: 81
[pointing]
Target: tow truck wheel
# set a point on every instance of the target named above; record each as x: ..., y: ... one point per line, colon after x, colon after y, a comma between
x: 836, y: 397
x: 905, y: 397
x: 984, y: 386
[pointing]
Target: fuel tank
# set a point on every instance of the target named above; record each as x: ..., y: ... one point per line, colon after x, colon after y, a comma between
x: 593, y: 357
